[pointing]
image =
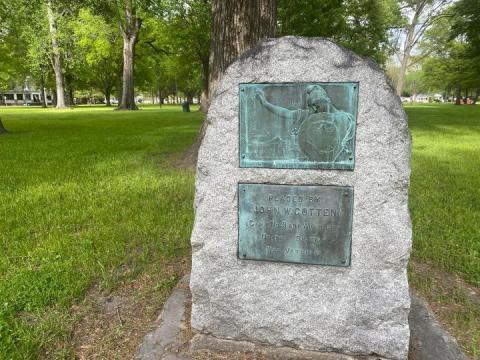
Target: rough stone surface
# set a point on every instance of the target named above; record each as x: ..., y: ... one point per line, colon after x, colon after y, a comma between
x: 429, y: 341
x: 166, y: 338
x: 201, y: 341
x: 359, y: 310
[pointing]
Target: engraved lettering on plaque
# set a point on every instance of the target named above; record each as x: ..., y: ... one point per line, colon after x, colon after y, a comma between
x: 298, y: 125
x: 295, y: 223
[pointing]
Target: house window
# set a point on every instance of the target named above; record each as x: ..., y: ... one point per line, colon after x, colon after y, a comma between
x: 9, y: 97
x: 28, y: 97
x: 19, y: 96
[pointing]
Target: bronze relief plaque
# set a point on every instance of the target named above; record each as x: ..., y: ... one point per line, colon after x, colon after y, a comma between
x: 298, y: 125
x: 304, y: 224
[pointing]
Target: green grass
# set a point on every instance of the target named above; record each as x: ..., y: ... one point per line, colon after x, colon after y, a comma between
x: 89, y: 193
x: 445, y: 187
x: 84, y: 193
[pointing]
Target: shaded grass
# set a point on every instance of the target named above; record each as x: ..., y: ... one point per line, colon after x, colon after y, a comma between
x: 445, y: 209
x: 445, y: 187
x: 454, y: 303
x: 86, y: 193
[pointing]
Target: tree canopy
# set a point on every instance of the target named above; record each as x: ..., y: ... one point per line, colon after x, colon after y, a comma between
x: 119, y: 49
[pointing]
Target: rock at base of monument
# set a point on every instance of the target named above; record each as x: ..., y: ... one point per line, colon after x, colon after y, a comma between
x: 172, y: 339
x: 257, y: 351
x: 429, y: 341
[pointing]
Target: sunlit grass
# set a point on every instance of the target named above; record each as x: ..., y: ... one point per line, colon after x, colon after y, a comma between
x: 89, y: 192
x: 445, y: 187
x: 445, y: 208
x: 83, y: 193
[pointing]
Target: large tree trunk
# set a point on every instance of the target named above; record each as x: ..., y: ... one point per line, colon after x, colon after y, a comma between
x: 57, y: 57
x: 237, y: 26
x: 108, y: 93
x: 130, y: 30
x: 407, y: 49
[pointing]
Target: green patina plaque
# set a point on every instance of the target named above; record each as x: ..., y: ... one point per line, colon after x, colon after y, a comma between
x: 295, y: 223
x: 298, y: 125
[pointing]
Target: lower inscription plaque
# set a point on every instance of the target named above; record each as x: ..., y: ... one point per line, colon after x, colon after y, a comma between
x: 295, y: 223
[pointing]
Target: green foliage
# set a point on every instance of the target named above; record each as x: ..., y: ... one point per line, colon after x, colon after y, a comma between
x: 174, y: 53
x: 450, y: 63
x: 467, y: 23
x: 360, y: 25
x: 12, y: 67
x: 72, y: 185
x: 98, y: 46
x: 415, y: 83
x: 38, y: 50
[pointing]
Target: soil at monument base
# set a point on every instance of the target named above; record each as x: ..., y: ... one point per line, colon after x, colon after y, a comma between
x: 454, y: 302
x: 112, y: 324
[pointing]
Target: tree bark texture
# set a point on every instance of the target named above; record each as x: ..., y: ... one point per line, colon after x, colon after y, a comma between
x: 57, y: 61
x: 407, y: 50
x: 130, y: 29
x: 237, y: 26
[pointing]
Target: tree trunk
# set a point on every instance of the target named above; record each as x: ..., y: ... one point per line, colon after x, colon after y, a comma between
x: 130, y: 30
x: 237, y: 26
x: 2, y: 128
x: 458, y: 95
x: 128, y: 93
x: 108, y: 93
x: 43, y: 97
x: 57, y: 57
x: 408, y: 45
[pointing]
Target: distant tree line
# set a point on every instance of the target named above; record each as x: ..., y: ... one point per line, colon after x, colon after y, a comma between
x: 164, y: 47
x: 444, y: 52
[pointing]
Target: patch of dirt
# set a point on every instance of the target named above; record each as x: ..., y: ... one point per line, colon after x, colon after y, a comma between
x: 446, y: 282
x: 112, y: 325
x: 455, y: 303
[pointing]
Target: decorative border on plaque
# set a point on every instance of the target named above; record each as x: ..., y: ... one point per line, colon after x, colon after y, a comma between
x: 307, y: 224
x: 298, y: 125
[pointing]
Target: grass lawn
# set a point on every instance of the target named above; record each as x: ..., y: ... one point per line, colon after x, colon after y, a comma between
x: 87, y: 195
x: 445, y: 208
x: 90, y: 199
x: 445, y: 187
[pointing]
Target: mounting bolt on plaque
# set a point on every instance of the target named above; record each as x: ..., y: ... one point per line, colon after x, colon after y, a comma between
x: 322, y: 236
x: 322, y: 118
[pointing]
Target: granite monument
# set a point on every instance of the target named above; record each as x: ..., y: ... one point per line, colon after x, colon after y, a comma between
x: 302, y: 232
